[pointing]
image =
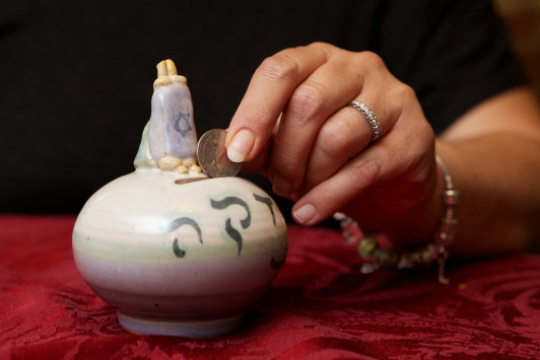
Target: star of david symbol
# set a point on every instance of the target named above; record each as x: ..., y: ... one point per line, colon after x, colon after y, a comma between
x: 182, y: 124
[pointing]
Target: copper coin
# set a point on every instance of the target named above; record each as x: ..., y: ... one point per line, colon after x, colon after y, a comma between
x: 212, y: 155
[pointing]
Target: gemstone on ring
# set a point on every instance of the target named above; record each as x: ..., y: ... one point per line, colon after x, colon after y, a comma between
x: 369, y: 116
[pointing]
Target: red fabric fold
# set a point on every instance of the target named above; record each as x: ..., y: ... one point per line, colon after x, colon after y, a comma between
x: 319, y: 307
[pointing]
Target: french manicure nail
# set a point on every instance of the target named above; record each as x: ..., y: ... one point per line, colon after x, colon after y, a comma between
x: 240, y: 146
x: 304, y: 213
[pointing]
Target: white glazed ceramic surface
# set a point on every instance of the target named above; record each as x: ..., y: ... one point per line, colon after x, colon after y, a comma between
x: 179, y: 254
x: 176, y: 252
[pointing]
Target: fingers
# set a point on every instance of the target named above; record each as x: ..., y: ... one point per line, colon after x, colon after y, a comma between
x: 338, y: 140
x: 383, y: 182
x: 383, y: 179
x: 310, y: 106
x: 267, y: 95
x: 349, y: 131
x: 346, y: 185
x: 306, y: 86
x: 294, y: 125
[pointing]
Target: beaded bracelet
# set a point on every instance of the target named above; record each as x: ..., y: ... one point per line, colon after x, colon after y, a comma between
x: 368, y: 246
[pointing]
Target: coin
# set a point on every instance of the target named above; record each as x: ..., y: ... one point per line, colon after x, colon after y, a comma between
x: 212, y: 155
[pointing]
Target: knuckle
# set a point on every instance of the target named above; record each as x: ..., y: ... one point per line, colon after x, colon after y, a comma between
x: 370, y: 60
x: 404, y: 92
x: 280, y: 67
x: 405, y: 98
x: 258, y: 109
x: 307, y: 100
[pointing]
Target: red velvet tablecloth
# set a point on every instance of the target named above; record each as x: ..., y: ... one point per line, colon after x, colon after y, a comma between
x: 320, y: 307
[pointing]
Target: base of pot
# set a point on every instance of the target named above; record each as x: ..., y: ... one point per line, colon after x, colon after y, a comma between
x: 185, y: 328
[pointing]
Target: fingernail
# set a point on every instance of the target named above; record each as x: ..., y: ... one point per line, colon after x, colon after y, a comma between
x: 304, y: 214
x: 240, y: 146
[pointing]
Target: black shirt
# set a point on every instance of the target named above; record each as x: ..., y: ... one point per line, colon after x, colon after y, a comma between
x: 77, y: 76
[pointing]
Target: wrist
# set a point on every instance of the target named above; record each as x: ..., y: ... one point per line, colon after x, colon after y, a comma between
x: 435, y: 251
x: 446, y: 229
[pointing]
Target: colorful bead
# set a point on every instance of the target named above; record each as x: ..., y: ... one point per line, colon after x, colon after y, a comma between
x: 367, y: 246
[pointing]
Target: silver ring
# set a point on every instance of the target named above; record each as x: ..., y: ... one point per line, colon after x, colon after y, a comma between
x: 369, y: 116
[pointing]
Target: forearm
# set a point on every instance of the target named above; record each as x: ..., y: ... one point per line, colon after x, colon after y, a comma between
x: 493, y: 155
x: 499, y: 179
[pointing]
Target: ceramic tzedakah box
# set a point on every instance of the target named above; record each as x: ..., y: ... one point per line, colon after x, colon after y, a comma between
x: 176, y: 252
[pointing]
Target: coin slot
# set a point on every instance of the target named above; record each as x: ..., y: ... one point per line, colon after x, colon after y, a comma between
x: 188, y: 180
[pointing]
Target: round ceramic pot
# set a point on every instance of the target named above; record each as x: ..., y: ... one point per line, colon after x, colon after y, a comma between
x: 179, y: 255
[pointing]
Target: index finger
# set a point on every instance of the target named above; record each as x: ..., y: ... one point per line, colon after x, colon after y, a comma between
x: 266, y: 96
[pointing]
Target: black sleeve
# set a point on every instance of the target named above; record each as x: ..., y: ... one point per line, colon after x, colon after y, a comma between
x: 454, y: 53
x: 77, y: 76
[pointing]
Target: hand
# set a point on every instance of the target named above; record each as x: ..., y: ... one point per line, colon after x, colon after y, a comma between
x: 293, y: 125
